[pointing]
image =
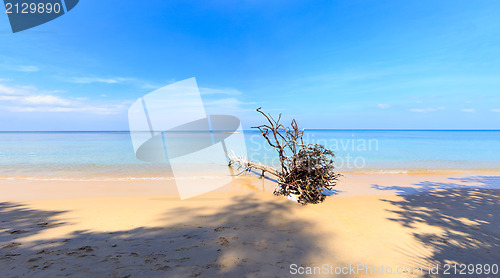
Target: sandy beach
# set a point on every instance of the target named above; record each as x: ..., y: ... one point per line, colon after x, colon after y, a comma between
x: 147, y: 139
x: 401, y: 222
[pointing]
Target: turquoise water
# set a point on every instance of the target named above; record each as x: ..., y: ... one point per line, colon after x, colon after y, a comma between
x: 111, y: 153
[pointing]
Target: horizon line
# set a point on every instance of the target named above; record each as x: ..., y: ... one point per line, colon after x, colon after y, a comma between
x: 255, y: 130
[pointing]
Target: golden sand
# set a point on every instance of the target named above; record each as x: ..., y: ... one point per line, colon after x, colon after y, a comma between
x: 142, y: 229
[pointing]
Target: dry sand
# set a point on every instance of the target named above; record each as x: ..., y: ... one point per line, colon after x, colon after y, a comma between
x: 142, y: 229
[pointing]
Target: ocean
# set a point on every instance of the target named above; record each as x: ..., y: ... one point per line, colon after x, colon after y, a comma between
x: 110, y: 155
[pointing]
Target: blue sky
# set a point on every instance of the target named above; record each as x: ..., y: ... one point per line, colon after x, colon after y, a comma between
x: 329, y: 64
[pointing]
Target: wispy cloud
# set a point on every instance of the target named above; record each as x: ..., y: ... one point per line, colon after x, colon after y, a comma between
x: 7, y: 90
x: 384, y: 106
x: 428, y: 109
x: 8, y: 97
x: 495, y: 110
x: 153, y: 86
x: 17, y: 67
x: 149, y: 86
x: 227, y: 91
x: 95, y: 109
x: 225, y: 102
x: 226, y: 105
x: 47, y: 100
x: 15, y: 90
x: 26, y: 68
x: 30, y: 99
x: 468, y: 110
x: 89, y: 80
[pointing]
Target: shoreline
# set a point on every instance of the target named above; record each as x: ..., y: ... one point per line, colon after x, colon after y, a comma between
x: 167, y: 175
x: 350, y: 184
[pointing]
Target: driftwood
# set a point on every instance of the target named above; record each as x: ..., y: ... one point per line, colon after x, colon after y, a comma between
x: 305, y: 169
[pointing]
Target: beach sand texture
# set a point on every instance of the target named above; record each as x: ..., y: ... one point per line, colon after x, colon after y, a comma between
x: 142, y: 229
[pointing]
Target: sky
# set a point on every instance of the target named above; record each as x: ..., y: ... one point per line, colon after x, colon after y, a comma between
x: 328, y: 64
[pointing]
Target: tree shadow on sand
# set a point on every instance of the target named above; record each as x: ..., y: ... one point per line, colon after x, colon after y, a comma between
x: 467, y: 212
x: 247, y: 238
x: 17, y: 220
x: 486, y: 182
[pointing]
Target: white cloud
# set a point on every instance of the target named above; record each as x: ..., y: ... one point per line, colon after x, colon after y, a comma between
x: 426, y: 110
x: 7, y: 90
x: 421, y: 110
x: 227, y: 91
x: 8, y: 97
x: 384, y: 106
x: 468, y: 110
x: 47, y: 100
x: 495, y: 110
x: 231, y: 106
x: 22, y: 68
x: 30, y: 99
x: 149, y: 86
x: 88, y: 80
x: 26, y: 68
x: 96, y: 109
x: 16, y: 90
x: 225, y: 102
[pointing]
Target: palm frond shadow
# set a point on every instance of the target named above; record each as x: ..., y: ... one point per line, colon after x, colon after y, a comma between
x: 467, y: 212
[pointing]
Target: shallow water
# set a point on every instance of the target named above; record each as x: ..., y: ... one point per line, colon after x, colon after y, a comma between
x: 110, y: 155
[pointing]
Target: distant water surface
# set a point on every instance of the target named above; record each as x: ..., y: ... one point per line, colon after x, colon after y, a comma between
x: 110, y: 155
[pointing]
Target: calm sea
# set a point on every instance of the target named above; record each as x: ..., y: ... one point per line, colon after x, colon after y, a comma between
x: 110, y: 155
